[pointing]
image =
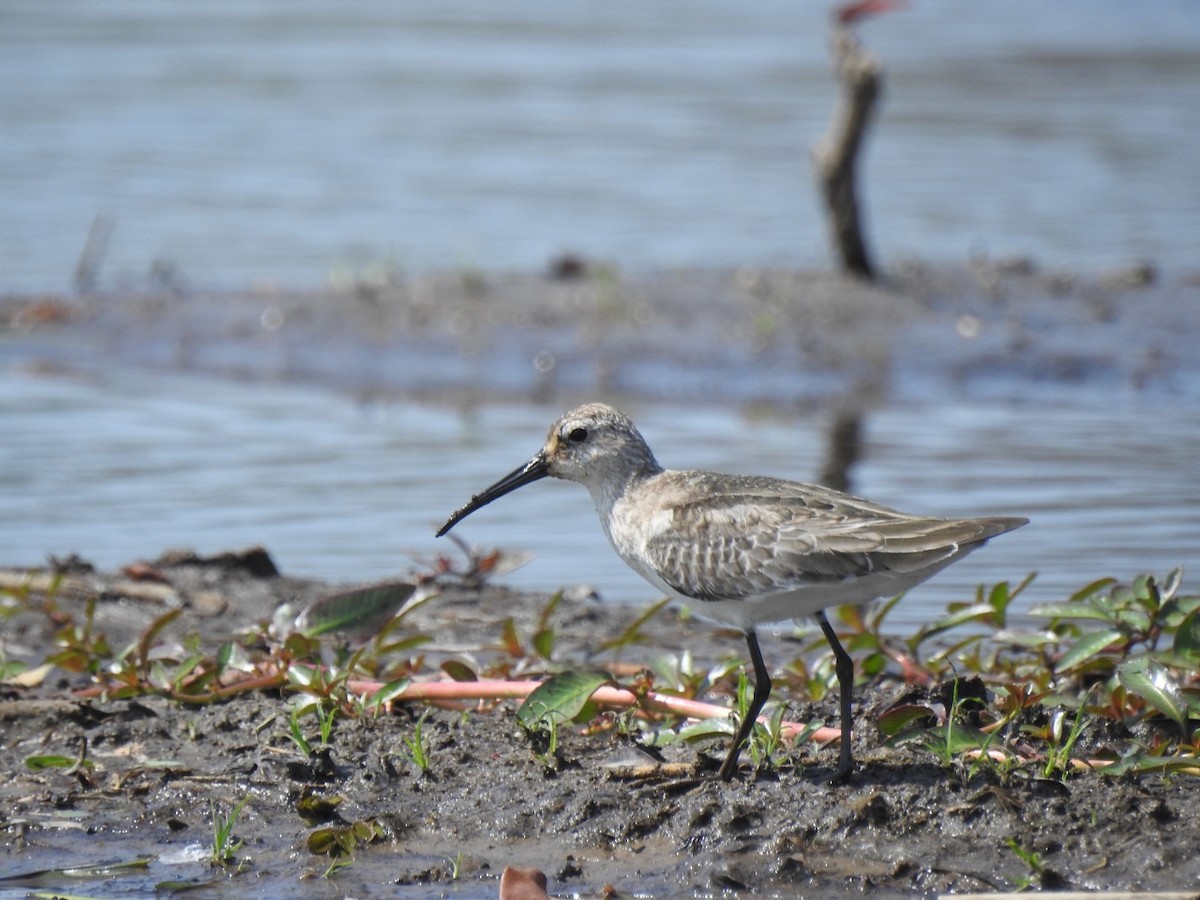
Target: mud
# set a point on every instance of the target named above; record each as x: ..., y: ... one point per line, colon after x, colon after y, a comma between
x: 905, y: 824
x: 770, y: 337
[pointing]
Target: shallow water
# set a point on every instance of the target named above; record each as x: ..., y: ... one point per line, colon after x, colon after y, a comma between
x: 125, y: 466
x: 236, y: 142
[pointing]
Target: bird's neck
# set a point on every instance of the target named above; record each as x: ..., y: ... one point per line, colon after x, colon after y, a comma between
x: 607, y: 491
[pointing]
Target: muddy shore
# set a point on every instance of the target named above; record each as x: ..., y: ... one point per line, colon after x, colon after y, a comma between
x: 905, y: 824
x: 750, y: 337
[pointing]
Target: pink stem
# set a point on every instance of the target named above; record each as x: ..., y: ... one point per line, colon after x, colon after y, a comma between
x: 436, y: 691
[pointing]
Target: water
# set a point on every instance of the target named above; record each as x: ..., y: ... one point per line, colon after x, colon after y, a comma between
x: 122, y: 467
x: 240, y: 141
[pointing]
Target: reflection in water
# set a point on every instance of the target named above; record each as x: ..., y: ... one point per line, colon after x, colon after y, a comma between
x: 122, y: 469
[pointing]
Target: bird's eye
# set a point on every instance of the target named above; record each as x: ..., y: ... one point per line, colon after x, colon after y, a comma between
x: 577, y: 435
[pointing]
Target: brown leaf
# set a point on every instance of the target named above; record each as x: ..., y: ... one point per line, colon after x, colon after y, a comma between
x: 523, y: 884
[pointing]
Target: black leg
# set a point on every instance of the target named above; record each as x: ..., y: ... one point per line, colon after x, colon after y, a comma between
x: 844, y: 666
x: 762, y: 690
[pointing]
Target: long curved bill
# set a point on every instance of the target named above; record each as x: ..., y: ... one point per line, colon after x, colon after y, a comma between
x: 533, y: 470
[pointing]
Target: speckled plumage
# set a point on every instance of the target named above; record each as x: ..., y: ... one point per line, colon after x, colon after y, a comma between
x: 745, y: 549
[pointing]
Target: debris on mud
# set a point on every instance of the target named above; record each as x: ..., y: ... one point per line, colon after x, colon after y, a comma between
x: 402, y: 794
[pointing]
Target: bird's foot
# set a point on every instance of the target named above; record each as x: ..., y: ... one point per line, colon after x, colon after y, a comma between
x: 728, y: 769
x: 843, y: 772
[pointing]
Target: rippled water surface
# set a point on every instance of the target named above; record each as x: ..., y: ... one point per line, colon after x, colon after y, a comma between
x: 122, y: 468
x: 236, y: 141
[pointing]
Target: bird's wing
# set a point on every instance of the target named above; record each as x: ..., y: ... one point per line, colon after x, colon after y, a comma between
x: 755, y: 537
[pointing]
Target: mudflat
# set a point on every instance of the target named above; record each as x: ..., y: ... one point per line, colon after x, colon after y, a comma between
x: 598, y: 814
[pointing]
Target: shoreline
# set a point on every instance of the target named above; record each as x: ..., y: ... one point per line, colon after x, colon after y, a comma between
x: 769, y: 338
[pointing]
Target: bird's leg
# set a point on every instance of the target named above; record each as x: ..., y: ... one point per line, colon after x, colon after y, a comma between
x: 762, y: 690
x: 844, y: 666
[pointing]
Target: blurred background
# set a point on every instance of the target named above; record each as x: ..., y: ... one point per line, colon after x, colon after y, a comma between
x: 256, y: 146
x: 236, y: 142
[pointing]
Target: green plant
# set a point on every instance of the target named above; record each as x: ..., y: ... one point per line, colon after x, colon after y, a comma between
x: 765, y: 742
x: 557, y: 700
x: 766, y: 745
x: 296, y: 733
x: 224, y: 846
x: 340, y: 842
x: 71, y: 765
x: 1142, y: 650
x: 1058, y: 753
x: 1037, y: 868
x: 946, y: 733
x: 633, y: 632
x: 418, y: 748
x: 325, y: 712
x: 81, y: 648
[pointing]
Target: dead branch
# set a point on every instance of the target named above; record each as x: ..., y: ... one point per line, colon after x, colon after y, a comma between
x: 836, y: 155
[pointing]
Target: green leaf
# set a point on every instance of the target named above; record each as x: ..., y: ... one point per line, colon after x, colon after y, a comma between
x: 302, y: 675
x: 1133, y: 618
x: 1031, y: 639
x: 1175, y: 610
x: 49, y: 761
x: 1146, y: 593
x: 960, y: 738
x: 459, y: 671
x: 1151, y: 681
x: 1140, y: 761
x: 976, y: 612
x: 543, y: 642
x: 560, y: 698
x: 318, y: 807
x: 52, y: 876
x: 695, y: 732
x: 633, y: 632
x: 1070, y: 610
x: 325, y: 841
x: 1187, y: 638
x: 1089, y: 590
x: 10, y: 669
x: 893, y: 721
x: 146, y: 641
x: 184, y: 669
x: 946, y: 740
x: 388, y: 693
x: 402, y: 645
x: 1086, y: 647
x: 356, y: 614
x: 1171, y: 583
x: 224, y: 656
x: 548, y: 610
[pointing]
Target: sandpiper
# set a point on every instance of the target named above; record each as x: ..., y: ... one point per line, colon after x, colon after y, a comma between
x: 744, y: 549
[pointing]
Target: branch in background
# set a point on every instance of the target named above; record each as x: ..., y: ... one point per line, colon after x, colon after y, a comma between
x: 87, y: 270
x: 835, y: 156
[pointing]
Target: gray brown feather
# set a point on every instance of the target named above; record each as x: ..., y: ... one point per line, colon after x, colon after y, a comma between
x: 748, y: 536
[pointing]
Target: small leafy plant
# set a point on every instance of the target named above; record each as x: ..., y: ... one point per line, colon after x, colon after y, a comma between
x: 1032, y: 860
x: 418, y: 747
x: 1125, y: 653
x: 558, y: 700
x: 224, y: 845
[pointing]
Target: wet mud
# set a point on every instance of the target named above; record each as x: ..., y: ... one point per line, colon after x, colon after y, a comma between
x: 770, y: 337
x: 600, y: 815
